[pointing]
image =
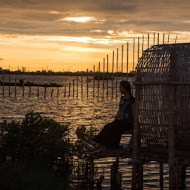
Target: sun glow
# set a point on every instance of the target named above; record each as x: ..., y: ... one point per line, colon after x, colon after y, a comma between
x: 79, y: 19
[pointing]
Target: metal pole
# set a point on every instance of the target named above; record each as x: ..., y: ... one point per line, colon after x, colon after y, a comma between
x: 98, y: 79
x: 148, y: 41
x: 117, y: 69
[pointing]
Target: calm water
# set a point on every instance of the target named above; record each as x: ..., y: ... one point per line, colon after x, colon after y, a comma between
x: 82, y: 110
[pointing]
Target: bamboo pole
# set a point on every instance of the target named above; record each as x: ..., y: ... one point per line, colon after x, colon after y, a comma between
x: 117, y: 70
x: 3, y: 84
x: 168, y: 38
x: 136, y: 137
x: 154, y: 38
x: 9, y: 86
x: 69, y: 89
x: 112, y: 71
x: 158, y: 39
x: 93, y: 80
x: 138, y: 50
x: 15, y: 89
x: 171, y: 123
x: 98, y: 79
x: 107, y: 75
x: 57, y: 92
x: 103, y: 75
x: 142, y: 44
x: 73, y: 88
x: 122, y: 62
x: 87, y: 81
x: 81, y: 85
x: 65, y: 90
x: 29, y: 90
x: 161, y: 176
x: 133, y: 54
x: 91, y: 175
x: 163, y: 38
x: 52, y: 90
x: 38, y: 91
x: 45, y: 91
x: 127, y: 60
x: 77, y: 86
x: 23, y: 91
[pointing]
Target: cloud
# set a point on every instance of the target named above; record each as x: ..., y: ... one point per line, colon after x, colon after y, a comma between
x: 88, y: 18
x: 1, y: 59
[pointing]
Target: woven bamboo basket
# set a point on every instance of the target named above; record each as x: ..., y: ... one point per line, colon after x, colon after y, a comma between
x: 163, y: 80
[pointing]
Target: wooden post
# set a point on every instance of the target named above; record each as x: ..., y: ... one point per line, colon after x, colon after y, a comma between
x: 45, y: 91
x: 127, y: 60
x: 91, y: 175
x: 15, y: 89
x: 163, y: 38
x: 23, y: 88
x: 87, y: 81
x: 98, y: 79
x: 168, y: 38
x: 142, y: 44
x: 81, y: 85
x: 112, y: 71
x: 103, y: 75
x: 158, y: 39
x: 57, y: 92
x: 117, y: 70
x: 29, y: 90
x: 171, y: 123
x: 161, y: 176
x: 154, y: 39
x: 73, y: 88
x: 107, y: 75
x: 77, y: 86
x: 3, y: 84
x: 52, y: 93
x: 65, y: 90
x: 136, y: 137
x: 133, y: 54
x: 9, y: 86
x: 140, y: 176
x: 122, y: 62
x: 69, y: 89
x: 38, y: 91
x: 99, y: 182
x: 114, y: 170
x: 93, y: 80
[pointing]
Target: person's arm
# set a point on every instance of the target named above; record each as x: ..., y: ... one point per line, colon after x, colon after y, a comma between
x: 117, y: 115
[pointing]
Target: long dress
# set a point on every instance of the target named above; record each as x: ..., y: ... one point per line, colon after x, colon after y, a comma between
x: 110, y: 135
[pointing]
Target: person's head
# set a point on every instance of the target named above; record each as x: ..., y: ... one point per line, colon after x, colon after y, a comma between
x: 125, y: 87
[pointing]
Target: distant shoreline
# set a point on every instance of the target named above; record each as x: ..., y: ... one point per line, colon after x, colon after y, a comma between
x: 78, y: 73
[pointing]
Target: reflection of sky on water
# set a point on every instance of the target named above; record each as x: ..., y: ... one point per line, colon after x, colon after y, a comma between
x: 76, y: 111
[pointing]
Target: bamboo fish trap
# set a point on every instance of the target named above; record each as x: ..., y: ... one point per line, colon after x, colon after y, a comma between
x: 163, y: 82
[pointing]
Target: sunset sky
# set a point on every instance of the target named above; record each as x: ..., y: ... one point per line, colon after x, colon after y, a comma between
x: 62, y: 35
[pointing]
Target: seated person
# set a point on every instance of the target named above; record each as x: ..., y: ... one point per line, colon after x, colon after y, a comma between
x: 110, y: 135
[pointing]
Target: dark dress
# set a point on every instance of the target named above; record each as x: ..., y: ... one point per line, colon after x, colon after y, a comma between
x: 110, y: 135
